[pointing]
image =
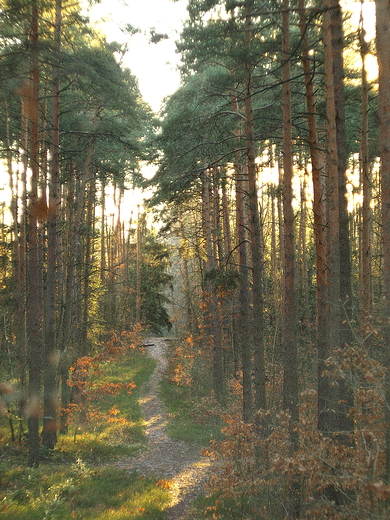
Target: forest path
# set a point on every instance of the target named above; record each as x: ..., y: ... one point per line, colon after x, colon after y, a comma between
x: 178, y: 463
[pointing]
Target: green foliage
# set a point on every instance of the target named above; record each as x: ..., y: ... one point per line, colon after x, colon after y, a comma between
x: 100, y: 86
x: 155, y: 283
x: 196, y: 131
x: 223, y: 279
x: 353, y: 122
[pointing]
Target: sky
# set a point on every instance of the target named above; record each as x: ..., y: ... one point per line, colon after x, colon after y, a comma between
x: 154, y: 64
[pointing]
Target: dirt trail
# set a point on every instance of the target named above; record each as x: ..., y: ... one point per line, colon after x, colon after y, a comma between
x: 180, y: 463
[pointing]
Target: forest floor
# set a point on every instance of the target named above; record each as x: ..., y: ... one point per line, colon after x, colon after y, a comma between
x: 178, y: 464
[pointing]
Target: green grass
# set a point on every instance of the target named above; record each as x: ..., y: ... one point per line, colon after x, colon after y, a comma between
x: 69, y: 483
x: 184, y: 423
x: 101, y: 439
x: 76, y: 492
x: 107, y: 438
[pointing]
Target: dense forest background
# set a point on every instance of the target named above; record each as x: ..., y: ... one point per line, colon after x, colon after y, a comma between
x: 271, y: 257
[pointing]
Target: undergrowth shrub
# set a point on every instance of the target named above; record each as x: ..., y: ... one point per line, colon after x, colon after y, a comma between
x: 90, y: 390
x: 337, y: 479
x: 195, y: 414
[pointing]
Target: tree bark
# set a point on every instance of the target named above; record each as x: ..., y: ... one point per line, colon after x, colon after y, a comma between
x: 255, y: 228
x: 383, y: 55
x: 290, y: 332
x: 345, y: 398
x: 318, y: 176
x: 365, y: 172
x: 49, y: 435
x: 327, y: 420
x: 138, y: 270
x: 212, y: 310
x: 34, y: 308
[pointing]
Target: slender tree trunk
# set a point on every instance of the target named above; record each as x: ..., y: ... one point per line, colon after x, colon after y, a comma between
x: 216, y: 217
x: 383, y: 54
x: 212, y: 310
x: 243, y: 337
x: 68, y: 302
x: 241, y: 319
x: 290, y: 393
x: 290, y: 332
x: 138, y: 270
x: 274, y: 257
x: 72, y: 305
x: 49, y: 436
x: 304, y: 266
x: 327, y: 395
x: 345, y: 398
x: 282, y: 254
x: 103, y: 264
x: 86, y: 281
x: 34, y: 307
x: 317, y: 166
x: 255, y: 228
x: 226, y: 220
x: 241, y: 334
x: 191, y: 324
x: 365, y: 172
x: 18, y: 212
x: 87, y: 180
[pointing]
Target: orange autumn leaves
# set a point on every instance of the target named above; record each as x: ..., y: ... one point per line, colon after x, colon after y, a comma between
x: 88, y: 388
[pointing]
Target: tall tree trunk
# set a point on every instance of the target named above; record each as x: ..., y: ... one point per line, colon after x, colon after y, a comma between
x: 383, y: 54
x: 255, y: 228
x: 49, y: 436
x: 317, y: 166
x: 243, y: 337
x: 290, y: 392
x: 191, y: 324
x: 345, y: 398
x: 290, y: 332
x: 303, y: 260
x: 326, y: 392
x: 86, y: 279
x: 365, y: 172
x: 226, y: 220
x: 103, y: 263
x: 65, y: 332
x: 72, y: 309
x: 18, y: 213
x: 138, y: 269
x: 34, y: 307
x: 282, y: 254
x: 241, y: 334
x: 212, y: 310
x: 274, y: 257
x: 87, y: 179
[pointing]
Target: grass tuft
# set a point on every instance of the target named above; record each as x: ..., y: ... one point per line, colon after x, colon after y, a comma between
x: 79, y: 492
x: 185, y: 423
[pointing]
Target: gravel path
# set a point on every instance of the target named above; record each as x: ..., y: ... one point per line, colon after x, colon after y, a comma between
x: 179, y: 464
